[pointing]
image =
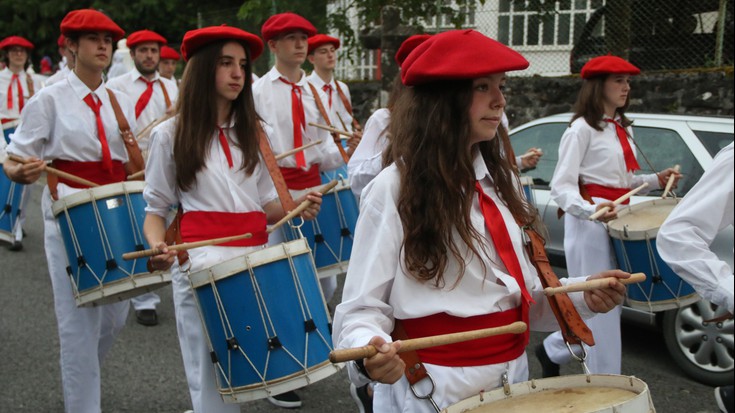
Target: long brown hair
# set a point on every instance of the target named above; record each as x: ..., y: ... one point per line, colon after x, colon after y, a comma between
x: 430, y: 129
x: 589, y: 104
x: 197, y: 116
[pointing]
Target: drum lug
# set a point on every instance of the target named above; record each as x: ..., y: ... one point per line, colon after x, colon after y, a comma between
x: 309, y: 325
x: 232, y: 343
x: 506, y: 384
x: 274, y: 343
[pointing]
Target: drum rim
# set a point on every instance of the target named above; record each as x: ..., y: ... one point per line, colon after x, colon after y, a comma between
x: 615, y: 229
x: 526, y: 180
x: 86, y: 195
x: 238, y: 264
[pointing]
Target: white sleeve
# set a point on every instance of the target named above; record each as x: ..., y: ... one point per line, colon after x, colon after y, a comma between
x: 565, y: 182
x: 367, y: 160
x: 160, y: 171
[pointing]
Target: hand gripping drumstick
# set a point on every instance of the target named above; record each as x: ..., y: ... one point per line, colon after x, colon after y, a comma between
x: 297, y: 150
x: 60, y: 174
x: 331, y: 129
x: 594, y: 284
x: 670, y: 183
x: 357, y: 353
x: 189, y: 245
x: 617, y: 202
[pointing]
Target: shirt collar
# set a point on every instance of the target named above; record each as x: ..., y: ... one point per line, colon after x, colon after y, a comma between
x: 81, y: 90
x: 273, y: 75
x: 478, y: 163
x: 137, y: 75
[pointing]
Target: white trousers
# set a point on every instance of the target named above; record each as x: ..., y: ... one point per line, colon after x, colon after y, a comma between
x: 145, y: 301
x: 83, y: 332
x: 588, y: 251
x: 18, y: 228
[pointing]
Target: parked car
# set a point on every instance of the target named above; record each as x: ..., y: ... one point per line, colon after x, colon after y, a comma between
x: 703, y: 350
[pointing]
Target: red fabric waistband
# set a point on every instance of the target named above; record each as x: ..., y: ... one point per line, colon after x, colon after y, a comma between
x: 483, y: 351
x: 607, y: 192
x: 91, y: 171
x: 205, y: 225
x: 297, y: 178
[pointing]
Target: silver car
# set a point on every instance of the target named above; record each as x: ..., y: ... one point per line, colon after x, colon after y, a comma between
x: 703, y: 350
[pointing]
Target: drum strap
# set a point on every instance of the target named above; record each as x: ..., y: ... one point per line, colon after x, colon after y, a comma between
x: 585, y: 195
x: 275, y: 171
x: 573, y: 328
x: 324, y: 114
x: 355, y: 125
x: 29, y: 82
x: 135, y: 157
x: 173, y: 236
x: 415, y: 370
x: 165, y: 94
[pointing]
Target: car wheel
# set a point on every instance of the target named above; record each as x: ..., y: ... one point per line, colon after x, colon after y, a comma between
x: 704, y: 350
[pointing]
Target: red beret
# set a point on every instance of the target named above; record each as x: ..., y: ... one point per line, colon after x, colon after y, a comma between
x: 408, y: 45
x: 195, y: 39
x: 169, y: 53
x: 458, y: 54
x: 143, y: 36
x: 604, y: 65
x: 88, y: 20
x: 285, y: 23
x: 61, y: 41
x: 12, y: 41
x: 320, y: 40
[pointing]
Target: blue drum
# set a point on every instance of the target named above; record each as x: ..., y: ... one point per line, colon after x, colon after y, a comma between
x: 633, y: 235
x: 11, y: 195
x: 98, y: 225
x: 330, y: 234
x: 266, y: 322
x: 527, y: 184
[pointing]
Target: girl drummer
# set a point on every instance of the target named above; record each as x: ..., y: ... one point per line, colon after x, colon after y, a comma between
x: 425, y: 255
x: 597, y: 159
x: 206, y: 160
x: 60, y: 123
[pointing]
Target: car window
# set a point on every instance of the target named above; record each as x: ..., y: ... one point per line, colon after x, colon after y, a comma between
x: 664, y: 148
x: 714, y: 141
x: 546, y: 137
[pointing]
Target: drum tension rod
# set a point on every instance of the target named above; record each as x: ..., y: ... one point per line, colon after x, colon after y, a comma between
x: 68, y: 270
x: 139, y: 247
x: 81, y: 262
x: 213, y: 356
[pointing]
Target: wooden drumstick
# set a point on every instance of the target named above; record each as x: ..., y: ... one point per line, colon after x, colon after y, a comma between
x: 594, y: 284
x: 189, y: 245
x: 670, y: 183
x: 296, y: 150
x: 344, y: 127
x: 538, y: 152
x: 357, y: 353
x: 331, y: 129
x: 60, y: 174
x: 137, y: 175
x: 617, y: 202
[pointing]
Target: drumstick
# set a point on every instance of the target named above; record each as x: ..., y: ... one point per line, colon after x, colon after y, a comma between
x: 617, y: 202
x: 594, y: 284
x: 189, y: 245
x: 137, y: 175
x: 357, y: 353
x: 533, y: 153
x: 670, y: 182
x: 344, y: 127
x: 60, y: 174
x: 331, y: 129
x: 296, y: 150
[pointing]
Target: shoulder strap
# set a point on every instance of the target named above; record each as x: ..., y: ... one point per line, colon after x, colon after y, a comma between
x: 415, y: 370
x: 323, y: 112
x: 165, y: 93
x: 348, y: 106
x: 275, y: 172
x: 135, y: 157
x: 29, y: 83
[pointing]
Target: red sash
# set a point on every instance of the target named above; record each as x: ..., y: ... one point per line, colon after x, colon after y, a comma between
x: 607, y: 192
x: 297, y: 178
x: 91, y: 171
x: 205, y: 225
x: 489, y: 350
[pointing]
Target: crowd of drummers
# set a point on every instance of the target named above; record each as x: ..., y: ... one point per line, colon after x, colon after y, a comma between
x: 244, y: 193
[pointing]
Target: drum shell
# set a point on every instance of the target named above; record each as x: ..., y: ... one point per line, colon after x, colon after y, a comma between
x: 11, y: 194
x: 527, y: 184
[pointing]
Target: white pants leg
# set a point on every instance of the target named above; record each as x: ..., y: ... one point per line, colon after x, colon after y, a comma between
x: 25, y: 197
x: 83, y: 332
x: 145, y: 301
x: 588, y: 251
x: 329, y: 286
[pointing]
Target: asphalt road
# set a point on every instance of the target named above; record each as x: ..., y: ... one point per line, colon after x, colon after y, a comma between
x: 144, y: 373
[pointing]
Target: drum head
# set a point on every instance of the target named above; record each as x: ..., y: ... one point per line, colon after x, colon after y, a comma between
x: 641, y: 221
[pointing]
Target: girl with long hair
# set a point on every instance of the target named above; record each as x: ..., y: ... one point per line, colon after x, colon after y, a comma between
x: 206, y: 160
x: 438, y: 246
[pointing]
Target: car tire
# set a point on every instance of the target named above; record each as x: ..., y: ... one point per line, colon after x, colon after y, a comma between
x: 704, y: 350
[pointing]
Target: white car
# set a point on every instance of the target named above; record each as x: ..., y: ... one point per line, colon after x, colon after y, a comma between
x: 703, y: 350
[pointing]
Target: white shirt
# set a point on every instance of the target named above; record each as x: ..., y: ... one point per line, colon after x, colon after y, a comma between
x: 273, y: 104
x: 131, y: 85
x: 684, y: 238
x: 60, y: 75
x: 377, y: 289
x: 58, y: 124
x: 218, y: 187
x: 337, y: 105
x: 367, y: 160
x: 5, y: 80
x: 595, y: 157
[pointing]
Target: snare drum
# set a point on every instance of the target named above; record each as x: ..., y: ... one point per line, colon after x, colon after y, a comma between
x: 330, y: 234
x: 568, y: 394
x: 98, y: 225
x: 266, y: 322
x: 11, y: 194
x: 633, y: 235
x: 527, y: 183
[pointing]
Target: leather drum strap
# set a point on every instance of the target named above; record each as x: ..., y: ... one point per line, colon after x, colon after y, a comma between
x: 29, y: 83
x: 415, y: 370
x: 173, y: 235
x: 275, y: 171
x: 135, y: 157
x: 165, y: 94
x: 355, y: 125
x: 324, y: 114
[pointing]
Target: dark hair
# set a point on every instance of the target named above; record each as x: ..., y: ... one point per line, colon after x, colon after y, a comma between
x: 6, y: 58
x: 197, y: 115
x: 589, y: 104
x: 430, y: 144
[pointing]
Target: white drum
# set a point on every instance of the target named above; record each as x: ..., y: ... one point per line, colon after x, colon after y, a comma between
x: 597, y: 393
